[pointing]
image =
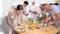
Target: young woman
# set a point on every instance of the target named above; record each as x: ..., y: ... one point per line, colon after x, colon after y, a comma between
x: 14, y: 18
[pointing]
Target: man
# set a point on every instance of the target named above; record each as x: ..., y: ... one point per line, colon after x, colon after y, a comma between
x: 33, y: 11
x: 25, y: 6
x: 55, y: 12
x: 26, y: 9
x: 56, y: 8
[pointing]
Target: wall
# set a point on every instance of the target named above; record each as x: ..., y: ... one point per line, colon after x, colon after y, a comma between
x: 37, y: 1
x: 6, y: 7
x: 8, y: 3
x: 1, y: 7
x: 1, y: 11
x: 59, y: 2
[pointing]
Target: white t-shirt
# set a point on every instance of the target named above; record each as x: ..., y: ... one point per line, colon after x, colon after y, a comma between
x: 24, y: 17
x: 26, y: 9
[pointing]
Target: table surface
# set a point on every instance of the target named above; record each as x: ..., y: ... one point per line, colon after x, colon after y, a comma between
x: 50, y: 30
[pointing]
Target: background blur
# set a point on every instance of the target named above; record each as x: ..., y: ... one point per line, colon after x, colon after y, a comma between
x: 5, y: 5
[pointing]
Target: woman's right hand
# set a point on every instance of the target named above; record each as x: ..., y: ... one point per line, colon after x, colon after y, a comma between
x: 16, y: 28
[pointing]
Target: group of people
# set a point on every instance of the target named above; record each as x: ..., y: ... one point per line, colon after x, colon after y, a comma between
x: 17, y: 15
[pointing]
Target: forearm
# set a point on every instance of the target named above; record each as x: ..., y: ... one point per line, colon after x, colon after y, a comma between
x: 57, y: 17
x: 21, y: 24
x: 33, y: 12
x: 20, y: 20
x: 10, y: 23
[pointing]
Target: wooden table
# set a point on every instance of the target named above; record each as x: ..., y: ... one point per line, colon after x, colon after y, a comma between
x: 50, y: 30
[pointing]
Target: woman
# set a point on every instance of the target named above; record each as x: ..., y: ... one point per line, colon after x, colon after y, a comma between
x: 16, y: 15
x: 4, y: 24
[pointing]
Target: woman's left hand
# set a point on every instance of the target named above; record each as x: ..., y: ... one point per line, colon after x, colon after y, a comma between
x: 50, y: 22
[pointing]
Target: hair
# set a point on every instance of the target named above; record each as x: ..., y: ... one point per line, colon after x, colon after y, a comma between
x: 54, y: 4
x: 19, y: 7
x: 41, y: 7
x: 26, y: 2
x: 44, y: 4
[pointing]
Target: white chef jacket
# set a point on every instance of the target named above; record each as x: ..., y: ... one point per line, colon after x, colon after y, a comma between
x: 33, y: 8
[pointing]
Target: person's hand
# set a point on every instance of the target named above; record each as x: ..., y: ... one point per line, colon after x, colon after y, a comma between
x: 46, y: 21
x: 50, y: 22
x: 16, y: 28
x: 34, y: 12
x: 25, y: 29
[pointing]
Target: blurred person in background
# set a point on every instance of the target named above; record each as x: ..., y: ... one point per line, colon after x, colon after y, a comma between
x: 32, y: 11
x: 49, y: 13
x: 26, y: 9
x: 54, y: 10
x: 42, y: 10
